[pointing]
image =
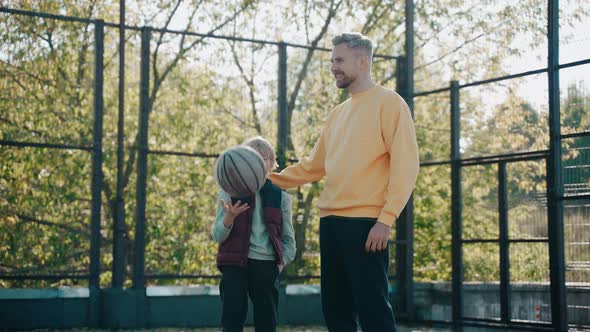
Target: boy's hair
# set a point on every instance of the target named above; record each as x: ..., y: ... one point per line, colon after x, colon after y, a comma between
x: 262, y: 146
x: 355, y: 40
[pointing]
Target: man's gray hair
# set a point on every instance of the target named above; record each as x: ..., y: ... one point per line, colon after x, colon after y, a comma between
x: 355, y: 40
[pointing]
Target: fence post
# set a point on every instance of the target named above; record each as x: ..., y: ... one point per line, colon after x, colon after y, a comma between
x: 504, y: 244
x: 282, y: 118
x: 119, y: 222
x: 97, y: 177
x: 554, y: 178
x: 142, y: 154
x: 409, y: 56
x: 404, y: 226
x: 409, y: 210
x: 456, y: 207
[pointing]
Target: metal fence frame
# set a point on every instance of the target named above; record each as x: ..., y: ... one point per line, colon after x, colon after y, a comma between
x: 404, y: 226
x: 139, y: 277
x: 555, y: 194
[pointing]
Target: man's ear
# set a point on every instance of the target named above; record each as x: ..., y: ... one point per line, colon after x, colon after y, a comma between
x: 365, y: 61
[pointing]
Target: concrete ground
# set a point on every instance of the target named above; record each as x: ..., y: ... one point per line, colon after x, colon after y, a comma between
x: 401, y: 328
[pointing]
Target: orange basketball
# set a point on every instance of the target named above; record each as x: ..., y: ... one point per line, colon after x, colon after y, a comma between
x: 240, y: 171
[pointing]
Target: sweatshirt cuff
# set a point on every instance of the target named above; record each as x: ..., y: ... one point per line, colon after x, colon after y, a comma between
x: 224, y: 232
x: 275, y: 178
x: 286, y: 261
x: 387, y: 218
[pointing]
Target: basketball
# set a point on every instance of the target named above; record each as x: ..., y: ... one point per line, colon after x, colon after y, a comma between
x: 240, y: 171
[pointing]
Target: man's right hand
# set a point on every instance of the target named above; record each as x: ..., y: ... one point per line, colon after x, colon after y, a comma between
x: 232, y: 211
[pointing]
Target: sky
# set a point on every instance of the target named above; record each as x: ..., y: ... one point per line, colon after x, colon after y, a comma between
x: 575, y: 49
x: 574, y: 46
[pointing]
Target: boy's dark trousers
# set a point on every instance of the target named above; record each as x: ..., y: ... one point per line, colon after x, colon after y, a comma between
x: 354, y: 282
x: 259, y: 280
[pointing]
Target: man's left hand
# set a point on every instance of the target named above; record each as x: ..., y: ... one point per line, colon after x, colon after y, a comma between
x: 378, y: 237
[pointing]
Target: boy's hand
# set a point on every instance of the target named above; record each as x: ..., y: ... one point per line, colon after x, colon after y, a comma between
x: 232, y: 211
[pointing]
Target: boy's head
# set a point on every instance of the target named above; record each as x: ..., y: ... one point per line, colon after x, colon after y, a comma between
x: 265, y: 149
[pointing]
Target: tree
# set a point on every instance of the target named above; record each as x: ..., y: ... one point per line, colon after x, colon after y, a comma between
x: 50, y: 71
x: 47, y: 98
x: 207, y: 94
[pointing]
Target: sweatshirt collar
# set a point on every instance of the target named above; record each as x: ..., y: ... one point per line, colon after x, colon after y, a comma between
x: 364, y: 93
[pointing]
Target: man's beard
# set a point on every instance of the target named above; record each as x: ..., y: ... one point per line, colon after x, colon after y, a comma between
x: 345, y: 82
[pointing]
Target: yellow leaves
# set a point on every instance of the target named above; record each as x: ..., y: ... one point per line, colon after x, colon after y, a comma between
x: 9, y: 220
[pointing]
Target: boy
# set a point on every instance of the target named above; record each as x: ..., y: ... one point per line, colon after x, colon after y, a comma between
x: 256, y: 241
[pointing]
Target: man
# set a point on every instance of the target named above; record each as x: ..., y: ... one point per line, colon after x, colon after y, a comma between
x: 368, y: 154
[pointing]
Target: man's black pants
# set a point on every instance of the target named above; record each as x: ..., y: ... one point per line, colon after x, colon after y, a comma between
x: 354, y: 282
x: 259, y: 280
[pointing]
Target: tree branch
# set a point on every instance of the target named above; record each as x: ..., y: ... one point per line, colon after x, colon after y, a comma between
x: 303, y: 72
x: 181, y: 51
x: 159, y: 42
x: 24, y: 127
x: 158, y: 82
x: 70, y: 229
x: 450, y: 22
x: 369, y: 25
x: 442, y: 57
x: 49, y: 109
x: 306, y: 20
x: 39, y: 79
x: 109, y: 61
x: 250, y: 84
x: 53, y: 52
x: 82, y: 55
x: 39, y: 267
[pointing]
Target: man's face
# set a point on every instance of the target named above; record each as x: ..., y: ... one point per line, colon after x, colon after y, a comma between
x: 346, y: 65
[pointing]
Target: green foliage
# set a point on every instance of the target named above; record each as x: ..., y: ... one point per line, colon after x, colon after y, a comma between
x: 208, y: 94
x: 47, y: 98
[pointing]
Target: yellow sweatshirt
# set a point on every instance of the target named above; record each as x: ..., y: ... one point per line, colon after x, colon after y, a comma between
x: 367, y: 153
